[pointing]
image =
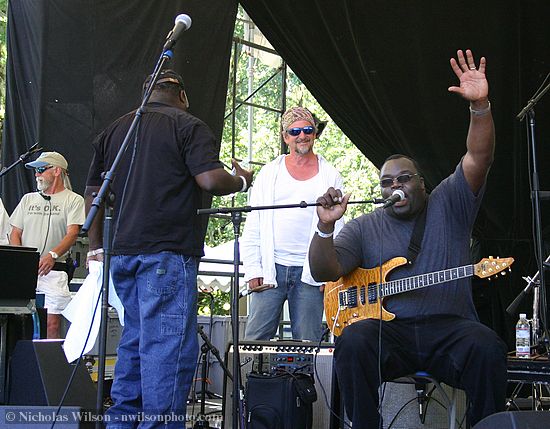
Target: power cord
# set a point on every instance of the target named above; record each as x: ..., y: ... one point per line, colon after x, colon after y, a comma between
x: 316, y: 373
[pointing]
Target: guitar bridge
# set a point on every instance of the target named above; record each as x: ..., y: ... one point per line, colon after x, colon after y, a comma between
x: 348, y: 298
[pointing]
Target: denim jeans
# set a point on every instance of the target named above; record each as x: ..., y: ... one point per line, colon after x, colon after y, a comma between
x: 158, y: 348
x: 459, y: 352
x: 305, y: 304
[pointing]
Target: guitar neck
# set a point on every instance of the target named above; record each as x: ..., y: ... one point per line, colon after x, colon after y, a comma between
x: 424, y: 280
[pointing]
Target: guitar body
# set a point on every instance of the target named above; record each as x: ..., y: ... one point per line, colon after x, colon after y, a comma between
x: 360, y: 294
x: 340, y: 316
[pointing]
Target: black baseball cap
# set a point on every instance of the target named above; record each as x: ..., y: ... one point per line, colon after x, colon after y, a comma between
x: 166, y: 76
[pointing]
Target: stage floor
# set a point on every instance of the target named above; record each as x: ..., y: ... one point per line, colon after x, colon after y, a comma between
x: 212, y: 413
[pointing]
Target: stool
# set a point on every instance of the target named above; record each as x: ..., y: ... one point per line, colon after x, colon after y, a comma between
x: 420, y: 379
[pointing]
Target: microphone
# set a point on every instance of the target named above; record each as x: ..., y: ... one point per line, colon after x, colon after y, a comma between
x: 396, y: 196
x: 46, y: 197
x: 181, y: 24
x: 421, y: 397
x: 34, y: 148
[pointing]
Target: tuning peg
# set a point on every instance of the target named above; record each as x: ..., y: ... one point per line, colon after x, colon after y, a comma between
x: 503, y: 273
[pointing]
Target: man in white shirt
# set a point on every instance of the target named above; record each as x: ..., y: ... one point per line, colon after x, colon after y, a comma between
x: 50, y: 220
x: 275, y: 243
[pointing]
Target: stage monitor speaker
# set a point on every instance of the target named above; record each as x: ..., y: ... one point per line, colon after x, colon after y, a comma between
x: 285, y: 355
x: 36, y: 417
x: 516, y: 420
x: 39, y: 373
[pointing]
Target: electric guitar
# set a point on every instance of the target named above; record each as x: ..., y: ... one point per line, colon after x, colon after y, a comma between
x: 360, y: 294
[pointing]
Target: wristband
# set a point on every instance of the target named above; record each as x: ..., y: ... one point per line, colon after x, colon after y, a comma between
x: 245, y: 185
x: 324, y: 234
x: 482, y: 111
x: 94, y: 252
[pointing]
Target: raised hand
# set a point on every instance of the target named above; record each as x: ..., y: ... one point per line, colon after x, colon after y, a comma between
x: 473, y: 83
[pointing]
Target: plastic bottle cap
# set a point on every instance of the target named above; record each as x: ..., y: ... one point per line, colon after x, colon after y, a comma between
x: 522, y: 316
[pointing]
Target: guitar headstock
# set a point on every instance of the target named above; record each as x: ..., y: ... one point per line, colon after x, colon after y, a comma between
x: 490, y: 266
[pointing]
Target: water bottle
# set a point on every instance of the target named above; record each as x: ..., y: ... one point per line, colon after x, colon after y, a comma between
x: 523, y: 337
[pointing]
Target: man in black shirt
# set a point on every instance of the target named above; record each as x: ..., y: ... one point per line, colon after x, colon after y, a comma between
x: 157, y: 243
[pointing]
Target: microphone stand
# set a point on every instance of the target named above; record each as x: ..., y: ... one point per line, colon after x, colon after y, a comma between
x: 104, y: 195
x: 531, y: 281
x: 207, y: 346
x: 236, y: 218
x: 33, y: 149
x: 529, y: 111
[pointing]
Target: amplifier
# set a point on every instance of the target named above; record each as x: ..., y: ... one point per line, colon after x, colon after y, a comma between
x: 274, y: 358
x: 269, y: 357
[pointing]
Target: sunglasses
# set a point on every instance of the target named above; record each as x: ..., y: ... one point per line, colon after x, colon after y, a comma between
x: 41, y: 170
x: 296, y: 131
x: 403, y: 178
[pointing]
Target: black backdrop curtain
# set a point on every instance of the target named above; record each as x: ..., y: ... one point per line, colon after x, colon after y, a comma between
x: 380, y: 68
x: 76, y: 65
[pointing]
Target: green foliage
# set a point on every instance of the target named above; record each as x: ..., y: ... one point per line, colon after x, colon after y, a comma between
x: 215, y: 302
x: 262, y: 128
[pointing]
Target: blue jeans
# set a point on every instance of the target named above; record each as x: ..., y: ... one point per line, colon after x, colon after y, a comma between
x: 158, y: 348
x: 305, y: 304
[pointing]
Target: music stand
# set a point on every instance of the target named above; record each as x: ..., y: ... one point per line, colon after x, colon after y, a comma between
x: 19, y: 268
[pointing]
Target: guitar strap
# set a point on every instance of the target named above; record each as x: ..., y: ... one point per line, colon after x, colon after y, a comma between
x: 415, y: 244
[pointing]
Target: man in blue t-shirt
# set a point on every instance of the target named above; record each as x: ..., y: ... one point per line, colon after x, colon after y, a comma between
x: 436, y: 328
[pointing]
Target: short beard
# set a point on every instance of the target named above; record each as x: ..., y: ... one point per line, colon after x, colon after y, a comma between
x: 42, y: 184
x: 303, y: 150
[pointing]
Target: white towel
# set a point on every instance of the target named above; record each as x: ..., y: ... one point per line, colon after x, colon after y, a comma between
x: 80, y: 312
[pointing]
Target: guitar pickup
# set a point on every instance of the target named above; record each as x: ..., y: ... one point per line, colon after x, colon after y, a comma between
x: 348, y: 298
x: 372, y: 294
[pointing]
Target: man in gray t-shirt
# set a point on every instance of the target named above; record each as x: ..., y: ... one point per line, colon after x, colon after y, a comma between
x: 50, y: 220
x: 436, y: 328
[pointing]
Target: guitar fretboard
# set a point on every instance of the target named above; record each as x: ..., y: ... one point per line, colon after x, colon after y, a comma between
x: 424, y: 280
